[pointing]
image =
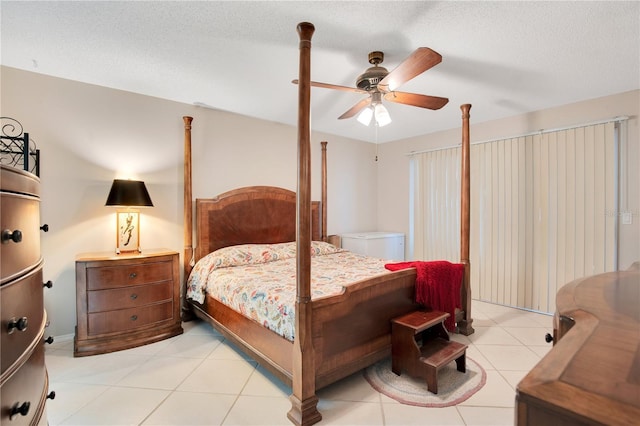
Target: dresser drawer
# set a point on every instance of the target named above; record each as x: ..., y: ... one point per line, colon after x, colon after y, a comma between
x: 129, y: 319
x: 23, y: 313
x: 127, y: 275
x: 19, y: 181
x: 27, y: 385
x: 128, y: 297
x: 19, y: 214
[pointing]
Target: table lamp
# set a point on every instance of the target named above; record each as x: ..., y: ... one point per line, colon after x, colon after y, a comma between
x: 127, y: 194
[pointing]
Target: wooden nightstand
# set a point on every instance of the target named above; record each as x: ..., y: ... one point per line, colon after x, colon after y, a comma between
x: 124, y: 301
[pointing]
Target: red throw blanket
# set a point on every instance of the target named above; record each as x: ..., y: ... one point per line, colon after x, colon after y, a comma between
x: 437, y: 285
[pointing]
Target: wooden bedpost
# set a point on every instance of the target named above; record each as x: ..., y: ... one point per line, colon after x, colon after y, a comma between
x: 464, y: 326
x: 304, y: 410
x: 187, y: 314
x: 324, y: 190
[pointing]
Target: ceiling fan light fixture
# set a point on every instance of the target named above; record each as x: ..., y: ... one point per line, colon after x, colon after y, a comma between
x: 382, y: 115
x: 365, y: 116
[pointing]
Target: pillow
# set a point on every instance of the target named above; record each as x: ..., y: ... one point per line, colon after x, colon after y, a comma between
x: 248, y: 254
x: 320, y: 248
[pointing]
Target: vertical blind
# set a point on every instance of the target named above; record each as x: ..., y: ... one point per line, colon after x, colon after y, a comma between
x: 542, y: 212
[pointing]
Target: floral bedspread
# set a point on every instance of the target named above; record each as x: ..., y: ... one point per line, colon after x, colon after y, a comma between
x: 259, y: 281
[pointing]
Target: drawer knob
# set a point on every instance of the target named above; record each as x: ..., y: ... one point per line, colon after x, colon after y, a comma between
x: 17, y: 324
x: 133, y: 275
x: 134, y: 296
x: 49, y: 340
x: 52, y: 395
x: 45, y: 228
x: 15, y: 236
x: 548, y: 338
x: 48, y: 284
x: 23, y: 409
x: 134, y: 317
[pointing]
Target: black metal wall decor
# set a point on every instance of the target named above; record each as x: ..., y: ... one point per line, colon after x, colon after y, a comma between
x: 16, y: 150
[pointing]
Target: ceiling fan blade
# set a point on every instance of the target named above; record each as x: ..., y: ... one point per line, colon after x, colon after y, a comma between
x: 418, y: 62
x: 333, y: 86
x: 422, y: 101
x: 356, y: 108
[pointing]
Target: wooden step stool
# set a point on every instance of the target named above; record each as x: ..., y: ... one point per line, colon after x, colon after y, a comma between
x: 434, y: 352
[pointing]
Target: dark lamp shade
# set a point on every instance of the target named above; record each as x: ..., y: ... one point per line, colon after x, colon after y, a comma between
x: 128, y: 193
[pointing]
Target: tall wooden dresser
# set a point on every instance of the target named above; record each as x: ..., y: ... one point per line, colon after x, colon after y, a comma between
x: 24, y: 382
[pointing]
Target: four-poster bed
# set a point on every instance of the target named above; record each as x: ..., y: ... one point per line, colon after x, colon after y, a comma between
x: 335, y: 335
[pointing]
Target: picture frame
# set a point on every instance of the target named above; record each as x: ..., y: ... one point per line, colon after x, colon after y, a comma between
x: 128, y: 231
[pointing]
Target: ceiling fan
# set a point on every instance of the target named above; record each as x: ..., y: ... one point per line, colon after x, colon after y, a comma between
x: 379, y: 83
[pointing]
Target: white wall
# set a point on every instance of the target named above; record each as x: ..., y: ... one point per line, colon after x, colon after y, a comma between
x: 89, y: 135
x: 393, y: 173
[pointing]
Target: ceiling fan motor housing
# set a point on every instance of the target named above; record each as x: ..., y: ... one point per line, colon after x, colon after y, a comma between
x: 371, y: 77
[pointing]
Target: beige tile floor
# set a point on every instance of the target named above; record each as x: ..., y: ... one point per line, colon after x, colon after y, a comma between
x: 199, y: 379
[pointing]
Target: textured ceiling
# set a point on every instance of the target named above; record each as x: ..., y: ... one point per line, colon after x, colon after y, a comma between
x: 506, y: 58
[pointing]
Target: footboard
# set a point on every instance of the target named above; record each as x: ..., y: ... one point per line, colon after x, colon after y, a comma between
x: 353, y: 330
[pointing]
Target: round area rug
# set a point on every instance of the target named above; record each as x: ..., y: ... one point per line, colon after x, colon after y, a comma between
x: 453, y: 386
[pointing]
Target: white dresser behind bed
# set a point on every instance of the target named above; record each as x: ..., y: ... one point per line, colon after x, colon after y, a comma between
x: 384, y: 245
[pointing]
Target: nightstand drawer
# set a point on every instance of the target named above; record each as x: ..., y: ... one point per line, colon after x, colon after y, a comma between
x: 127, y: 275
x: 128, y: 297
x: 129, y: 319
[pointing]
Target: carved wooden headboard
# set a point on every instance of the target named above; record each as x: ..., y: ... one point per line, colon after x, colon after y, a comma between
x: 249, y: 215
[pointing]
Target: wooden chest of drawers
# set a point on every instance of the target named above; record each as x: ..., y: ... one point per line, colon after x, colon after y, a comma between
x: 592, y: 374
x: 124, y: 301
x: 23, y: 381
